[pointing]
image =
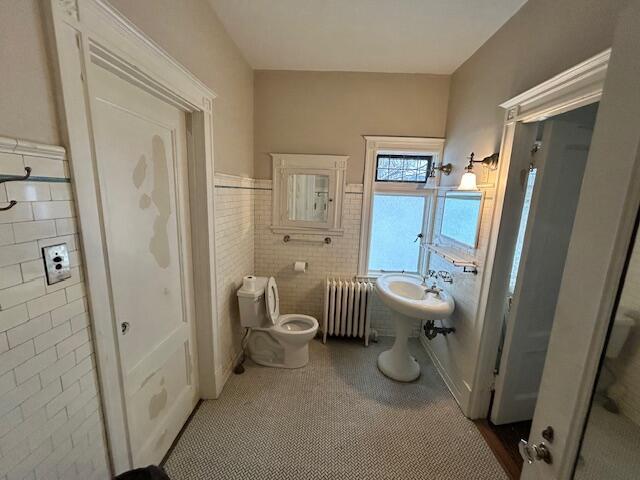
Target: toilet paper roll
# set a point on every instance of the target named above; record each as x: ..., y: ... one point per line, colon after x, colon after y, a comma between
x: 249, y: 282
x: 300, y: 267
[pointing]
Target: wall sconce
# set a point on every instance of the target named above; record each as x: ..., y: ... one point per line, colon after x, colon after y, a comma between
x: 445, y: 168
x: 468, y: 180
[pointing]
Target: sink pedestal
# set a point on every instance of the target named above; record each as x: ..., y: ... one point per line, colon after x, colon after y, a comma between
x: 397, y: 363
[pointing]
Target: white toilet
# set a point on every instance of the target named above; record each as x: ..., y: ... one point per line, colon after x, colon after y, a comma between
x: 620, y: 331
x: 275, y: 340
x: 622, y: 325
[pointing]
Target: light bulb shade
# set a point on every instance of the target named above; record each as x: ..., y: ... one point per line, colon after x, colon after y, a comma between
x: 468, y: 182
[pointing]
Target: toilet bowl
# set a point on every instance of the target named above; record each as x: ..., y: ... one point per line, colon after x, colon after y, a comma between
x: 275, y: 340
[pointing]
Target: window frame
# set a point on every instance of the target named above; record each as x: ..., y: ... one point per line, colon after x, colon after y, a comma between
x: 419, y: 146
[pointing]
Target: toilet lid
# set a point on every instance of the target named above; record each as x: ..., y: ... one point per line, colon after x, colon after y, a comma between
x: 273, y: 300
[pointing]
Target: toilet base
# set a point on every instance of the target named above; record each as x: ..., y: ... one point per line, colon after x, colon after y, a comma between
x: 264, y: 350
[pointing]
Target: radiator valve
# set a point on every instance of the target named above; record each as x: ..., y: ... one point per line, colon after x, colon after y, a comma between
x: 431, y: 331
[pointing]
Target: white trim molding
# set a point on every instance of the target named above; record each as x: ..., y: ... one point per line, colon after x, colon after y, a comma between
x: 332, y: 166
x: 408, y: 145
x: 32, y: 149
x: 83, y: 32
x: 579, y: 86
x: 576, y: 87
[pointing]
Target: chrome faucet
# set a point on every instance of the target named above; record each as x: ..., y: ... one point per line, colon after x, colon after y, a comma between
x: 433, y: 289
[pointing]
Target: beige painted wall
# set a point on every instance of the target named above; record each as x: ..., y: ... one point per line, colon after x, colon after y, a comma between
x: 27, y: 101
x: 328, y: 112
x: 192, y: 33
x: 27, y: 107
x: 544, y: 38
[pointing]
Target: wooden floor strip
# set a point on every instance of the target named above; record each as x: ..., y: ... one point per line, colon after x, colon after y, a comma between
x: 506, y: 454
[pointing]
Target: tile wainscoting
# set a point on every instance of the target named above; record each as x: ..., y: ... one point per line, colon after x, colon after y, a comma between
x: 270, y: 256
x: 235, y: 233
x: 50, y: 420
x: 455, y: 355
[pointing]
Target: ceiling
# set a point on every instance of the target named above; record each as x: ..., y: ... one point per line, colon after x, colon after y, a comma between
x: 408, y: 36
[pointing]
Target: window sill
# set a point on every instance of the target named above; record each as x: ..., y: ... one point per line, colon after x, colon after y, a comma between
x: 374, y: 275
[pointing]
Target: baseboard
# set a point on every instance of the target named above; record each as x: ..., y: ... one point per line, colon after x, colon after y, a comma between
x: 227, y: 371
x: 459, y: 396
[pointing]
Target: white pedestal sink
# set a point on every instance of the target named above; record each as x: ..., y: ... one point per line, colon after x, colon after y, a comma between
x: 407, y: 297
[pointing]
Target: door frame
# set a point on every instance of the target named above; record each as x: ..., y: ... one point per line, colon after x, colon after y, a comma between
x: 576, y: 87
x: 81, y: 32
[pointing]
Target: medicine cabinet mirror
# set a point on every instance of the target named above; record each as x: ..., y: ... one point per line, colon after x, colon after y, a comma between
x: 461, y: 217
x: 308, y: 193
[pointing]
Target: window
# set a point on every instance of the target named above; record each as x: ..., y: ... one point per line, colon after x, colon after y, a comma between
x: 403, y: 168
x: 524, y: 217
x: 396, y: 222
x: 397, y: 204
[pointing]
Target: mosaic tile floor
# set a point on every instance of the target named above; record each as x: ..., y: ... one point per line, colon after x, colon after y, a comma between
x: 337, y: 418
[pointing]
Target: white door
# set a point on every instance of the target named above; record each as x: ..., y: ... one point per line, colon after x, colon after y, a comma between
x: 559, y: 168
x: 595, y: 261
x: 141, y: 162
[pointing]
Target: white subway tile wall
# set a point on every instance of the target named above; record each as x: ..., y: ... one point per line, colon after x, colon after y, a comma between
x: 50, y: 421
x: 246, y: 245
x: 456, y: 353
x: 235, y: 227
x: 304, y: 292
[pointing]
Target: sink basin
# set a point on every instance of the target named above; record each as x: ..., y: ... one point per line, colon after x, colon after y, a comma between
x: 406, y: 294
x: 407, y: 297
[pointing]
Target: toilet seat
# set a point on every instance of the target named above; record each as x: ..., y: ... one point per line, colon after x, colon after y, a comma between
x: 273, y: 300
x: 290, y: 324
x: 281, y: 340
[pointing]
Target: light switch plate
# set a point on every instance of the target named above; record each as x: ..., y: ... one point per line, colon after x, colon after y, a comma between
x: 56, y: 263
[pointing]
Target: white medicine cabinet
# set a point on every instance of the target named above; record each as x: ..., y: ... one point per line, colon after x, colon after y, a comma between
x: 308, y: 193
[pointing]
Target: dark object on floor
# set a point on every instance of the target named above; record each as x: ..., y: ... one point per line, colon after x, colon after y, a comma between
x: 152, y: 472
x: 239, y: 368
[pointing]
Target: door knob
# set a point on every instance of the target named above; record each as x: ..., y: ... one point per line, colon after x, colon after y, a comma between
x: 530, y: 452
x: 124, y: 327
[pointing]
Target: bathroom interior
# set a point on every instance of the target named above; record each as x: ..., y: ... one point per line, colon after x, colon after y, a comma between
x: 300, y: 239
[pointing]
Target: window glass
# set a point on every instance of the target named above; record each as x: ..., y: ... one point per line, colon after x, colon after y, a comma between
x: 460, y: 217
x: 396, y: 221
x: 531, y: 180
x: 403, y: 168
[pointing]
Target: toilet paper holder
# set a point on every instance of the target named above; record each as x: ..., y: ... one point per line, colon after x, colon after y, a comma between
x: 300, y: 266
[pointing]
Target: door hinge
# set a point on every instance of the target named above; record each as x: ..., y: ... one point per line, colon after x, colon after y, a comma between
x: 492, y: 386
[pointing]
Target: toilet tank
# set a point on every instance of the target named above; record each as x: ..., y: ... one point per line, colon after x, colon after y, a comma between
x: 251, y: 299
x: 620, y: 331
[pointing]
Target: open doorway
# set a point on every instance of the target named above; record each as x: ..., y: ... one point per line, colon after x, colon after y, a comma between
x: 550, y: 181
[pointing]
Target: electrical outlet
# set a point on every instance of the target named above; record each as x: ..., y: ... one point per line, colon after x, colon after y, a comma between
x: 56, y: 263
